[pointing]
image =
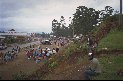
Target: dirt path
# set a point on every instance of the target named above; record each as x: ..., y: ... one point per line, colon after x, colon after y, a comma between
x: 21, y: 63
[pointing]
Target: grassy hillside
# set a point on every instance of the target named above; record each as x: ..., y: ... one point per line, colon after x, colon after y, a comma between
x: 111, y: 64
x: 114, y: 40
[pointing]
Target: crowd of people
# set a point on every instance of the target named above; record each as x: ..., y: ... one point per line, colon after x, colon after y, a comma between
x: 9, y: 55
x: 61, y: 41
x: 32, y: 52
x: 38, y: 54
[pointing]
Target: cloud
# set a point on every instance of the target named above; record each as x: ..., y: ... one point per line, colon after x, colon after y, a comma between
x: 10, y: 8
x: 37, y: 15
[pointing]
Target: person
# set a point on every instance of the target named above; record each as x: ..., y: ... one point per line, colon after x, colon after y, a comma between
x: 7, y: 56
x: 50, y: 52
x: 95, y: 45
x: 94, y: 68
x: 89, y: 43
x: 28, y: 54
x: 53, y: 51
x: 1, y: 57
x: 30, y: 46
x: 55, y: 42
x: 12, y: 55
x: 57, y: 49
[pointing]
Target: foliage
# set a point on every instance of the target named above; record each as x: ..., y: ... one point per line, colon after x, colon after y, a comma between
x: 51, y: 62
x: 18, y: 39
x: 20, y: 76
x: 112, y: 41
x: 74, y: 47
x: 44, y: 35
x: 85, y: 19
x: 59, y: 28
x: 106, y: 13
x: 111, y: 64
x: 52, y: 65
x: 80, y: 59
x: 9, y: 40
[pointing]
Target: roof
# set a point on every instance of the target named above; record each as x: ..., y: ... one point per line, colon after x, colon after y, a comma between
x: 12, y: 30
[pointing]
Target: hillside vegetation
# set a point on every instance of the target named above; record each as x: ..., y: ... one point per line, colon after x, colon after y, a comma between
x: 114, y: 40
x: 72, y: 60
x: 112, y: 58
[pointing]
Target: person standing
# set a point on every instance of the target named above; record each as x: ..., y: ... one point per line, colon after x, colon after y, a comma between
x: 89, y: 43
x: 57, y: 49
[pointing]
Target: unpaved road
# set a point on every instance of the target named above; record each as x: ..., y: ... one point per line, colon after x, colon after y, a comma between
x: 21, y: 63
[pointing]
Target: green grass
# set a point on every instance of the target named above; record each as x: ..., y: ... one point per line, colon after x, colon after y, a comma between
x: 111, y: 63
x: 114, y: 40
x: 110, y: 66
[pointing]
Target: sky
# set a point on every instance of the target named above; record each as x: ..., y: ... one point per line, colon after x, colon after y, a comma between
x: 37, y: 15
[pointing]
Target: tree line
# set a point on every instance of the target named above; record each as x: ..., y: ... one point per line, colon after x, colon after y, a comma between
x: 84, y: 20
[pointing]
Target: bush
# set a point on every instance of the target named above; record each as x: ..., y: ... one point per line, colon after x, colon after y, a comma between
x: 53, y: 64
x: 20, y: 76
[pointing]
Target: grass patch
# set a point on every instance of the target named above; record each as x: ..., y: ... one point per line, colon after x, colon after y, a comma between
x: 111, y: 64
x: 70, y: 50
x: 80, y: 60
x: 20, y: 76
x: 112, y: 41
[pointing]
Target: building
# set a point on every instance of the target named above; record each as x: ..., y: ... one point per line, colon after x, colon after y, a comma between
x: 12, y: 32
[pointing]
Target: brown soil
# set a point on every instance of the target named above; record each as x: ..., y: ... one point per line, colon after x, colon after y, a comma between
x: 21, y: 63
x: 68, y: 69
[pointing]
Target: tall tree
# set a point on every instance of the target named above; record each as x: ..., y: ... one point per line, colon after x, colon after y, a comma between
x: 65, y: 32
x: 106, y: 13
x: 56, y: 27
x: 84, y: 19
x: 59, y: 28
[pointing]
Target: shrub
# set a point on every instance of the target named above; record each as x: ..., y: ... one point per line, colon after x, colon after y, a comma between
x: 19, y: 76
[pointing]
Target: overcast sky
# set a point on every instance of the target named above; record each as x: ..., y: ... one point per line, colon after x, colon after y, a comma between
x: 37, y: 15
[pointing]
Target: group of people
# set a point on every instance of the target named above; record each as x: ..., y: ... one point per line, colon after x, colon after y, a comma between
x: 61, y: 41
x: 38, y: 54
x: 10, y: 55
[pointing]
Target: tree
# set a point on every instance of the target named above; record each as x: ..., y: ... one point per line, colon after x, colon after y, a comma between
x: 64, y: 29
x: 59, y: 28
x: 56, y: 27
x: 84, y: 19
x: 106, y: 13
